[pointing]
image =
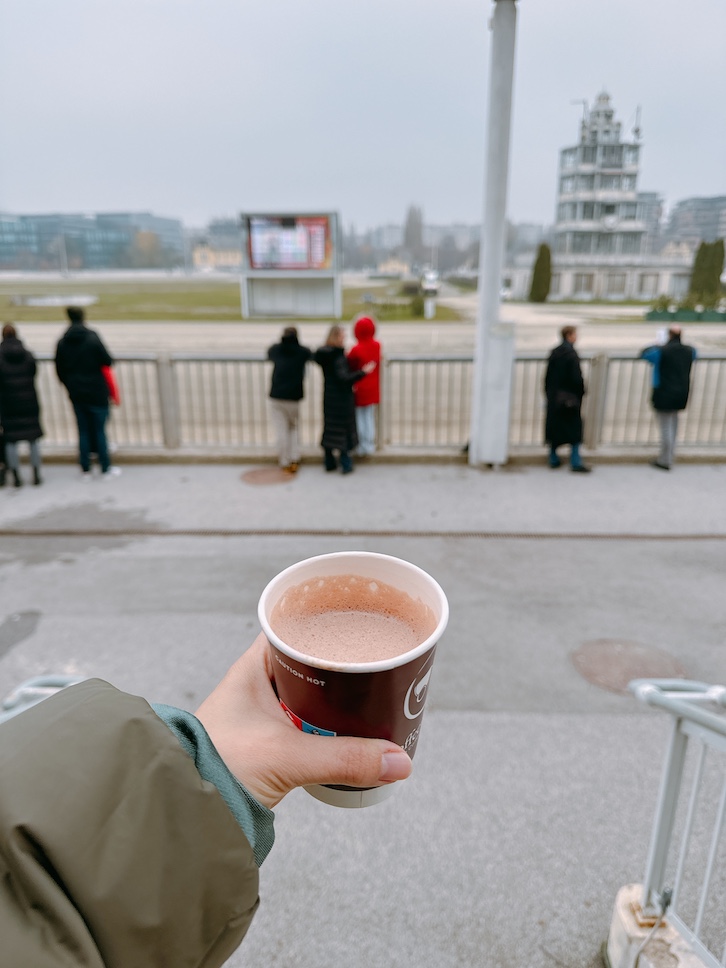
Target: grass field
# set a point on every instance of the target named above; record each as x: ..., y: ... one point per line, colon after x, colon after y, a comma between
x: 173, y: 298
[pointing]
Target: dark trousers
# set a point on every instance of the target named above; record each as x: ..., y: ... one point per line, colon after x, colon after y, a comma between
x: 92, y: 435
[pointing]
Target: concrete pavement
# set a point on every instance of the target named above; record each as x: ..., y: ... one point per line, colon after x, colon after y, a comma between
x: 533, y: 788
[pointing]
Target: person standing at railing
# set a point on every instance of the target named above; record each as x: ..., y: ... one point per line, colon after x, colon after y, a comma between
x: 80, y: 359
x: 367, y: 391
x: 340, y: 436
x: 19, y: 407
x: 564, y: 388
x: 286, y: 392
x: 671, y: 387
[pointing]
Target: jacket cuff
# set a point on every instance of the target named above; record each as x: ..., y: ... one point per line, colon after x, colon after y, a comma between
x: 255, y: 819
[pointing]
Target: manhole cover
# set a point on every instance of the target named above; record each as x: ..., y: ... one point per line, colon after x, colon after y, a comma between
x: 266, y: 475
x: 612, y: 663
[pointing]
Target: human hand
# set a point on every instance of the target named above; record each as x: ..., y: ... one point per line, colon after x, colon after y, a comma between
x: 269, y: 755
x: 369, y: 367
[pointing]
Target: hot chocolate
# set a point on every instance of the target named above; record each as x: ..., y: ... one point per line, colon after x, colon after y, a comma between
x: 349, y: 618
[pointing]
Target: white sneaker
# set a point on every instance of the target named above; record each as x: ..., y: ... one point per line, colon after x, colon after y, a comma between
x: 85, y: 476
x: 111, y: 472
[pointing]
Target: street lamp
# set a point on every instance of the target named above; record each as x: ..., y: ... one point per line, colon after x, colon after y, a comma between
x: 494, y: 350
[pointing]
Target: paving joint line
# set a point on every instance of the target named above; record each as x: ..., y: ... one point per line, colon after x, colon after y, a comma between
x: 352, y: 533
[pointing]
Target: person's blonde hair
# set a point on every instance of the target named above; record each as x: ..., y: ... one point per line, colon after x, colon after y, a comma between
x: 333, y: 333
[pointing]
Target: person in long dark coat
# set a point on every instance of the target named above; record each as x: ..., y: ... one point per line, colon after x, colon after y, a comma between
x: 564, y: 388
x: 19, y: 406
x: 339, y: 429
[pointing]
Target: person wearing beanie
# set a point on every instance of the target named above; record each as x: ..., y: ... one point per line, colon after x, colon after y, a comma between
x: 80, y: 357
x: 19, y: 407
x: 368, y: 390
x: 286, y: 392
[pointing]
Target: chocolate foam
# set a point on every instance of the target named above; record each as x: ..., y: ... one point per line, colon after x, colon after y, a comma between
x: 349, y: 618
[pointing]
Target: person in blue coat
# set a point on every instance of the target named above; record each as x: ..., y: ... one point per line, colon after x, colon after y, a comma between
x: 671, y: 387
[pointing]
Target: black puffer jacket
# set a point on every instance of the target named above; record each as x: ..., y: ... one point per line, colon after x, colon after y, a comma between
x: 79, y: 356
x: 288, y: 374
x: 339, y: 431
x: 19, y: 407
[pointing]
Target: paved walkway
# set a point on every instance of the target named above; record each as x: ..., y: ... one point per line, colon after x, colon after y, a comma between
x: 616, y: 499
x: 536, y: 775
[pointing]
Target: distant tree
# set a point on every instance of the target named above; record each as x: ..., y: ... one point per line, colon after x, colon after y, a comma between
x: 705, y: 285
x: 449, y: 256
x: 413, y: 232
x: 352, y: 252
x: 541, y: 275
x: 717, y: 264
x: 472, y: 255
x: 699, y: 272
x: 145, y: 251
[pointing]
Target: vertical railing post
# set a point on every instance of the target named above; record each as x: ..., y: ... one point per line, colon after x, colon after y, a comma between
x: 664, y: 818
x: 168, y: 402
x: 383, y: 407
x: 595, y: 400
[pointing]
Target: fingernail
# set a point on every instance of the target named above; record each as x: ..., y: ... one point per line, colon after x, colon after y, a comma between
x: 395, y: 765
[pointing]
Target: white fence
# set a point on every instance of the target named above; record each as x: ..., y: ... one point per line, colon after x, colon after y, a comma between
x: 181, y: 403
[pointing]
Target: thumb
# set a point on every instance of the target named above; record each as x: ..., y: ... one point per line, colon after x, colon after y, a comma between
x: 347, y: 760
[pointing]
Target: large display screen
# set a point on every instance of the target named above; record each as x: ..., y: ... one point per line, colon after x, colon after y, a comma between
x: 289, y: 242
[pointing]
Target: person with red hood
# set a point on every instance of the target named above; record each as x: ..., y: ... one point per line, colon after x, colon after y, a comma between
x: 368, y: 390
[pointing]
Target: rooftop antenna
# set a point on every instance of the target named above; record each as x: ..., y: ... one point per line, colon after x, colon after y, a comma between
x: 583, y: 123
x: 583, y: 102
x: 636, y: 129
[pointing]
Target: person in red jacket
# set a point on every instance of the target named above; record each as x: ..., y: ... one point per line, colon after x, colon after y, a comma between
x: 368, y: 390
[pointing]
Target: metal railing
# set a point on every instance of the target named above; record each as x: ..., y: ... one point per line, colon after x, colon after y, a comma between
x: 686, y: 865
x: 181, y: 402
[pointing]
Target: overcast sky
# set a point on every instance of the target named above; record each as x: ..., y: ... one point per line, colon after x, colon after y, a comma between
x: 205, y: 108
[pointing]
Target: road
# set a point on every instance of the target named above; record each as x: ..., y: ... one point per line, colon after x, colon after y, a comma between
x: 533, y: 788
x: 602, y: 328
x: 536, y: 329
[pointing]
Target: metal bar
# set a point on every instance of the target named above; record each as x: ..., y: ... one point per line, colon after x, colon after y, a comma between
x: 688, y: 826
x: 711, y: 860
x: 653, y: 882
x: 168, y: 402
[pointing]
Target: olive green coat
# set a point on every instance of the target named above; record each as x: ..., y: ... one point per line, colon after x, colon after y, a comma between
x: 114, y: 853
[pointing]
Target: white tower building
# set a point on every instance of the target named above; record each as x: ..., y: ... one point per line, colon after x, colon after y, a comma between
x: 597, y: 203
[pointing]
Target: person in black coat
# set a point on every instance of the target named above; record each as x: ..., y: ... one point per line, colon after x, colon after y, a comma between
x: 79, y: 359
x: 564, y: 388
x: 339, y: 428
x: 286, y: 392
x: 19, y: 407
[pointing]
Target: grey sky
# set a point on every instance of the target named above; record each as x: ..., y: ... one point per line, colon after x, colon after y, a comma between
x: 205, y: 108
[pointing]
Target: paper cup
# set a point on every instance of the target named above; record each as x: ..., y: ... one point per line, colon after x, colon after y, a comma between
x: 382, y: 699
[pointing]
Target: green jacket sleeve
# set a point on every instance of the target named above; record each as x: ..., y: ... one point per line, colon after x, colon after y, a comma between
x: 114, y: 851
x: 255, y: 819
